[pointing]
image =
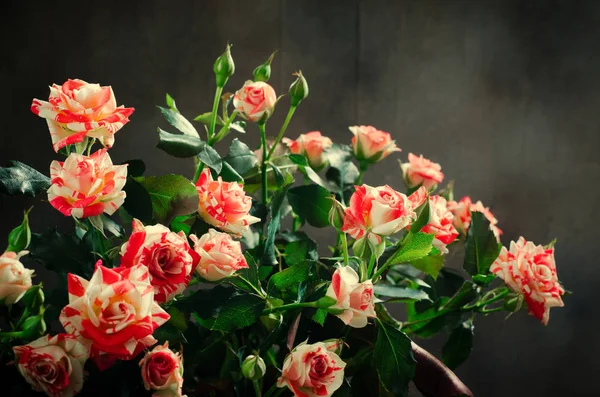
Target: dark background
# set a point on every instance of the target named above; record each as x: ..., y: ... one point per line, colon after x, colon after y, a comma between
x: 504, y: 94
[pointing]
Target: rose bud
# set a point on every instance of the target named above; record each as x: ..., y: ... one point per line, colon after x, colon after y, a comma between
x: 370, y: 144
x: 353, y: 297
x: 220, y: 255
x: 421, y: 171
x: 162, y: 371
x: 255, y: 101
x: 224, y: 67
x: 33, y: 327
x: 313, y: 370
x: 530, y: 270
x: 263, y: 72
x: 253, y: 367
x: 53, y: 365
x: 336, y: 214
x: 76, y: 110
x: 298, y: 90
x: 15, y: 279
x: 312, y: 145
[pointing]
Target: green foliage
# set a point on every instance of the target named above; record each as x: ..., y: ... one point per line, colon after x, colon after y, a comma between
x: 414, y: 246
x: 239, y: 312
x: 171, y: 196
x: 179, y: 145
x: 430, y: 265
x: 459, y: 345
x: 467, y: 292
x: 481, y: 246
x: 177, y: 120
x: 62, y: 253
x: 240, y: 157
x: 20, y: 178
x: 424, y: 212
x: 300, y: 251
x: 312, y: 203
x: 393, y: 358
x: 400, y: 293
x: 210, y: 157
x: 291, y: 276
x: 20, y: 237
x: 273, y: 227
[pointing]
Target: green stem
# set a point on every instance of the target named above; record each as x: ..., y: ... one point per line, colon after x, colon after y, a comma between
x: 282, y: 131
x: 496, y: 309
x: 289, y: 306
x: 371, y: 265
x: 263, y: 164
x: 213, y: 120
x: 198, y: 171
x: 257, y: 390
x: 345, y: 248
x: 223, y: 131
x: 12, y: 334
x: 379, y: 272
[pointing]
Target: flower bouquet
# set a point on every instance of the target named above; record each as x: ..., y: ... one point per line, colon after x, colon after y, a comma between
x: 213, y: 286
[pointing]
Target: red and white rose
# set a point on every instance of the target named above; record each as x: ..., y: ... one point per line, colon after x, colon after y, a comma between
x: 312, y: 370
x: 371, y: 144
x: 15, y: 279
x: 162, y: 371
x: 224, y: 204
x: 167, y: 255
x: 115, y: 310
x: 220, y: 256
x: 440, y: 224
x: 255, y: 100
x: 421, y: 171
x: 530, y: 270
x: 462, y: 215
x: 84, y: 186
x: 53, y: 365
x: 76, y: 110
x: 352, y: 296
x: 312, y: 145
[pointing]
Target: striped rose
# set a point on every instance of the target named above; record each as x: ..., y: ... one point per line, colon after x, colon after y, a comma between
x: 421, y: 171
x: 76, y: 110
x: 167, y: 255
x: 462, y: 215
x: 115, y: 310
x: 440, y: 224
x: 84, y: 186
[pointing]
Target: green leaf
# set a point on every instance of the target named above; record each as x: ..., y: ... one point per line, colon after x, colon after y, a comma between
x: 250, y: 274
x: 467, y: 292
x: 239, y: 312
x: 423, y: 217
x: 178, y: 121
x: 300, y: 251
x: 459, y: 345
x: 414, y: 246
x: 343, y: 172
x: 183, y: 223
x: 394, y: 359
x: 273, y: 226
x: 393, y: 291
x: 229, y: 174
x: 61, y: 253
x: 205, y: 302
x: 239, y: 126
x: 138, y: 202
x: 302, y: 163
x: 210, y: 157
x: 205, y: 118
x: 240, y: 157
x: 20, y: 178
x: 483, y: 279
x: 179, y: 145
x: 20, y: 237
x: 431, y: 265
x: 481, y: 246
x: 291, y: 276
x: 312, y: 203
x: 170, y: 102
x: 171, y: 195
x: 320, y: 316
x: 299, y: 159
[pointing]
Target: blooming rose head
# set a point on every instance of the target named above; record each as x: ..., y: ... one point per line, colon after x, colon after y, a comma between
x: 462, y: 215
x: 85, y: 186
x: 162, y: 370
x: 421, y: 171
x: 224, y: 204
x: 355, y: 298
x: 115, y: 310
x: 167, y: 255
x: 312, y: 145
x: 53, y: 365
x: 313, y: 370
x: 76, y: 110
x: 375, y: 212
x: 530, y: 270
x: 440, y: 224
x: 255, y: 100
x: 15, y: 279
x: 220, y: 255
x: 371, y: 144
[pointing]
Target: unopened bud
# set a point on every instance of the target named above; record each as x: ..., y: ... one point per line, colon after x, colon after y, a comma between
x: 298, y: 89
x: 336, y: 214
x: 224, y: 67
x: 263, y: 72
x: 253, y: 367
x: 34, y: 297
x: 33, y: 327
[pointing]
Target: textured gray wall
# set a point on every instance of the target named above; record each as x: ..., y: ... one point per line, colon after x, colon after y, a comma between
x: 504, y: 94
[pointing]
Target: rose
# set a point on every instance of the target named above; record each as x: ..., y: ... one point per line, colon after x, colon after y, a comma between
x: 115, y: 310
x: 440, y: 224
x: 312, y: 370
x: 462, y: 215
x: 312, y: 145
x: 15, y: 279
x: 220, y: 256
x: 375, y: 212
x: 255, y: 100
x: 352, y: 296
x: 53, y: 365
x: 86, y: 186
x: 167, y: 255
x: 162, y: 370
x: 530, y: 270
x: 77, y: 110
x: 421, y: 171
x: 224, y: 204
x: 371, y: 144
